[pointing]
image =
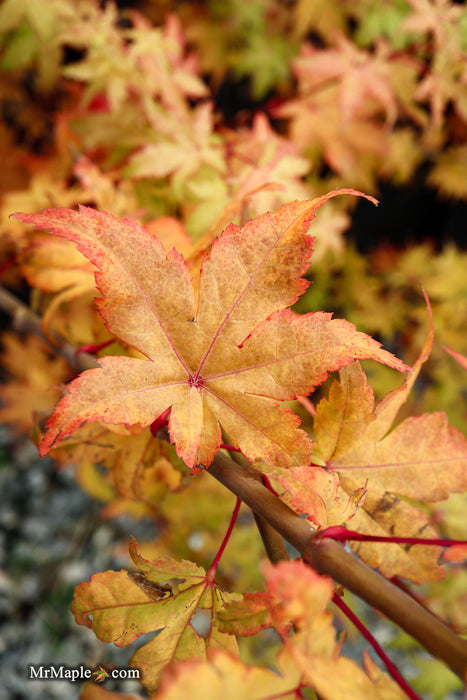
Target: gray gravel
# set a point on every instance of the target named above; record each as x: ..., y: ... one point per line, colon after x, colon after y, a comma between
x: 51, y: 539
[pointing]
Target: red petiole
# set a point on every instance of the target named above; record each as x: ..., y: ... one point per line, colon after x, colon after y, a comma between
x: 211, y: 575
x: 365, y: 632
x: 94, y: 349
x: 341, y: 534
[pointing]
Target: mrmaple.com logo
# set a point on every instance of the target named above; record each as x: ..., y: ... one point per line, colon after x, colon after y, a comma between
x: 74, y: 674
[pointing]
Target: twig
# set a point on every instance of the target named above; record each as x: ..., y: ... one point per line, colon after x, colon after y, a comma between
x: 26, y: 321
x: 273, y: 542
x: 364, y: 631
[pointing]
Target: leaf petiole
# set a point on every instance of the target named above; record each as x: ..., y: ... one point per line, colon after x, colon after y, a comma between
x: 94, y: 349
x: 365, y: 632
x: 341, y: 534
x: 231, y: 448
x: 161, y: 421
x: 211, y: 575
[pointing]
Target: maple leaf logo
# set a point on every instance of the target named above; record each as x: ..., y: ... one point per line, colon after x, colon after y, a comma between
x: 100, y: 675
x: 221, y: 361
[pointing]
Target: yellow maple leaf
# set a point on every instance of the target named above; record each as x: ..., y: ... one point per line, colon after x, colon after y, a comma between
x: 34, y: 384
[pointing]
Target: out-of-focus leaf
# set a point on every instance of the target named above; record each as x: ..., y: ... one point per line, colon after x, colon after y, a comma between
x: 34, y: 383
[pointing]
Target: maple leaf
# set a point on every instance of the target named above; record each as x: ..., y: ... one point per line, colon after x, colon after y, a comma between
x: 228, y: 677
x: 55, y: 266
x: 444, y: 84
x: 360, y: 75
x: 323, y: 16
x: 265, y: 171
x: 225, y: 676
x: 310, y: 657
x: 421, y: 460
x: 33, y: 385
x: 438, y: 17
x: 142, y: 63
x: 294, y: 592
x: 31, y: 38
x: 353, y: 148
x: 105, y: 190
x: 101, y: 674
x: 122, y: 610
x: 140, y: 467
x: 313, y: 492
x: 342, y: 94
x: 192, y: 145
x: 225, y: 361
x: 301, y: 595
x: 449, y: 173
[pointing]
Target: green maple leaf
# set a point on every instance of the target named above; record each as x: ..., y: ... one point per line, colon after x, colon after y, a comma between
x: 100, y: 675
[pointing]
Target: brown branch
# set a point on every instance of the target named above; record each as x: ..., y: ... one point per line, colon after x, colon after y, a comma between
x: 329, y: 558
x: 272, y: 541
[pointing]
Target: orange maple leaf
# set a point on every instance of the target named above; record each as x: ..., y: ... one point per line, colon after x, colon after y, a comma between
x: 309, y: 657
x: 421, y: 460
x: 360, y: 75
x: 224, y: 360
x: 140, y: 469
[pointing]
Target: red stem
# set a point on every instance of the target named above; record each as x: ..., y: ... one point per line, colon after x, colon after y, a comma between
x: 161, y: 421
x: 365, y: 632
x: 341, y: 534
x: 229, y: 447
x: 211, y: 575
x: 268, y: 485
x: 94, y: 349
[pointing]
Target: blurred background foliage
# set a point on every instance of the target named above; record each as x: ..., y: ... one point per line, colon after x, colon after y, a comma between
x: 187, y: 116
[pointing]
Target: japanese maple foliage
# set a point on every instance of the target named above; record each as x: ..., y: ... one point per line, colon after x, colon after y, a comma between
x: 220, y: 359
x: 125, y: 111
x: 220, y: 350
x: 122, y: 611
x: 377, y: 475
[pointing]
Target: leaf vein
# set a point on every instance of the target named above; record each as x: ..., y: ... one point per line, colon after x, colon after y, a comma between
x: 243, y: 292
